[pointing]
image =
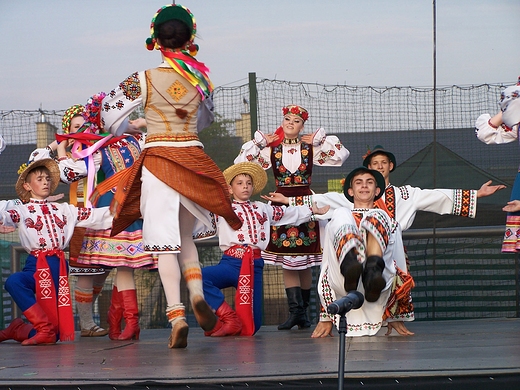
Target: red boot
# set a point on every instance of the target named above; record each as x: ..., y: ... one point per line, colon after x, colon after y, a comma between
x: 131, y: 314
x: 115, y: 315
x: 45, y: 333
x: 228, y: 323
x: 17, y: 330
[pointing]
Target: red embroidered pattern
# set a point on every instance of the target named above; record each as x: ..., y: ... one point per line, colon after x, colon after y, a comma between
x: 390, y: 201
x: 465, y: 200
x: 84, y: 213
x: 381, y: 229
x: 15, y: 217
x: 131, y: 87
x: 341, y: 243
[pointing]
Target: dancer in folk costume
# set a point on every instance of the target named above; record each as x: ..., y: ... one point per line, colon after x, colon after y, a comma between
x: 170, y: 183
x: 296, y: 248
x: 103, y: 156
x: 241, y: 265
x: 90, y: 279
x: 500, y: 129
x: 402, y: 204
x: 41, y: 289
x: 363, y: 251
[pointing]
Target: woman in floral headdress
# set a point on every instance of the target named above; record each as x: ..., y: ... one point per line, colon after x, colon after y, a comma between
x: 291, y: 156
x: 170, y: 183
x: 97, y: 154
x: 89, y: 278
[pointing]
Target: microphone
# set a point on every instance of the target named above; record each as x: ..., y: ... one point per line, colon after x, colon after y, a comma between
x: 353, y: 300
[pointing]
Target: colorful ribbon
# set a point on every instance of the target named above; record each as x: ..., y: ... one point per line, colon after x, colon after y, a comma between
x: 191, y: 69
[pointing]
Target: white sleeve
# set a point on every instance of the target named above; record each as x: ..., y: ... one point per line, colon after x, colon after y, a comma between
x: 491, y: 135
x: 72, y: 170
x: 335, y: 200
x: 256, y: 151
x: 283, y: 215
x: 94, y: 218
x: 120, y: 103
x: 409, y: 200
x: 328, y: 149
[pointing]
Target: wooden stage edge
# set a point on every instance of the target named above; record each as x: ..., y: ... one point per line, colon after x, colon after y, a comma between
x: 480, y: 348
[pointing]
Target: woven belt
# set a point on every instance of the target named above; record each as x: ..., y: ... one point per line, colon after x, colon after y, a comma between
x: 239, y: 251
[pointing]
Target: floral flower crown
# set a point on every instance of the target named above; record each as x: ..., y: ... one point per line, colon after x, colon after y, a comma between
x: 296, y: 110
x: 91, y: 113
x: 71, y: 112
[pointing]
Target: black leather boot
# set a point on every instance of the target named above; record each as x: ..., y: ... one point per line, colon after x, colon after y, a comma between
x: 351, y: 270
x: 373, y: 280
x: 306, y: 298
x: 296, y: 312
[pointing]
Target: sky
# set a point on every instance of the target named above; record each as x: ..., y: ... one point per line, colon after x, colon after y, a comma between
x: 56, y: 53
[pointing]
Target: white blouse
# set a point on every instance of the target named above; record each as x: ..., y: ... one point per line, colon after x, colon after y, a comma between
x: 257, y: 217
x: 44, y: 225
x: 327, y: 151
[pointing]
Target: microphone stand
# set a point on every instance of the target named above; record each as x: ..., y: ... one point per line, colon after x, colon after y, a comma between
x: 342, y: 336
x: 353, y: 300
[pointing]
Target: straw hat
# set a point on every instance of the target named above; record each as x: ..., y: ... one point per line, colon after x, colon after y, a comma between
x: 380, y: 182
x: 251, y: 169
x: 25, y: 169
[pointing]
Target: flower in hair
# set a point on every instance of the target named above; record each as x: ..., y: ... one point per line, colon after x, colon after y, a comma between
x: 367, y: 153
x: 91, y: 114
x: 22, y: 168
x: 296, y: 110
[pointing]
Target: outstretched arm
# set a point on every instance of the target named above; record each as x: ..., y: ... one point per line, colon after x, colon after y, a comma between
x: 276, y: 197
x: 512, y: 206
x: 487, y: 189
x: 319, y: 210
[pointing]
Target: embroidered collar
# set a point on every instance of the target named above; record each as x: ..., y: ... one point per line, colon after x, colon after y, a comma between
x: 239, y: 202
x: 293, y: 141
x: 38, y: 201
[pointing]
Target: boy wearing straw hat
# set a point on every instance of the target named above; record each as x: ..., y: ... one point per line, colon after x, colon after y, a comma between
x: 41, y: 289
x: 241, y: 265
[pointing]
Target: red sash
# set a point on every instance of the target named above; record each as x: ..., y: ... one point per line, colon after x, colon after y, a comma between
x: 245, y: 289
x: 58, y: 310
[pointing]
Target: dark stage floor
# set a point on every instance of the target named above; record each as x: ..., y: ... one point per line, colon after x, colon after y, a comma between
x: 469, y: 354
